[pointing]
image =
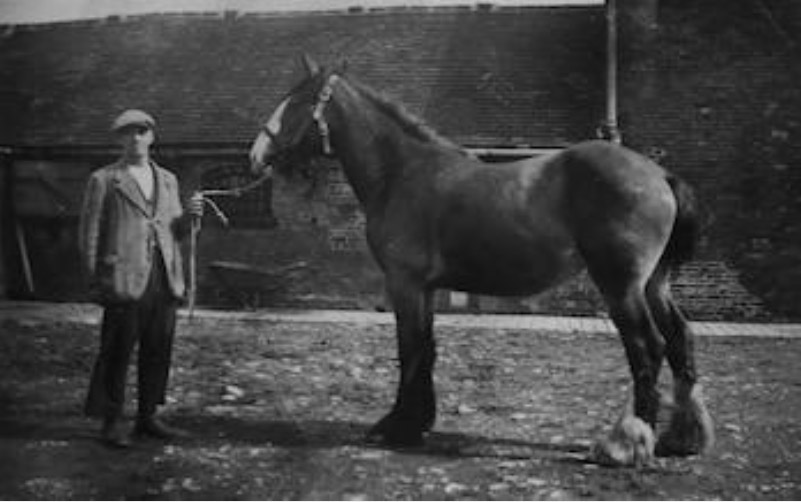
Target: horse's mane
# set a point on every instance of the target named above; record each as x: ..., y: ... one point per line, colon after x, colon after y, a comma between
x: 410, y: 122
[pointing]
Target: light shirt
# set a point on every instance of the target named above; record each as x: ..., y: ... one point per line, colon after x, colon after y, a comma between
x: 144, y: 178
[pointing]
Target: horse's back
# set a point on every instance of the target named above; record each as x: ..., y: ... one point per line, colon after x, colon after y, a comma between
x: 595, y: 179
x: 605, y: 160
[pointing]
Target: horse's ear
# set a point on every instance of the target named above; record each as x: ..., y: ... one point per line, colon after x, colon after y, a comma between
x: 312, y: 68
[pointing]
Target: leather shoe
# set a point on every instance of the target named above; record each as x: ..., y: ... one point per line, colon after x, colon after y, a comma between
x: 115, y: 434
x: 153, y: 427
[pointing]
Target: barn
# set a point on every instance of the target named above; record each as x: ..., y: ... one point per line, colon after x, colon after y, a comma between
x: 713, y: 102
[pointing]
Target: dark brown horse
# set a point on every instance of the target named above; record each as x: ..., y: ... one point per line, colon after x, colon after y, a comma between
x: 439, y: 218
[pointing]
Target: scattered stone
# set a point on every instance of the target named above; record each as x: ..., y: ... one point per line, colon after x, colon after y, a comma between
x: 465, y: 409
x: 190, y: 485
x: 511, y: 464
x: 560, y: 494
x: 497, y: 487
x: 535, y: 482
x: 370, y: 455
x: 455, y: 488
x: 232, y: 393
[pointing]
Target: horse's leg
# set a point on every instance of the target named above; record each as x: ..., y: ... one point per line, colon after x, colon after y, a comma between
x: 690, y: 430
x: 415, y: 405
x: 631, y: 441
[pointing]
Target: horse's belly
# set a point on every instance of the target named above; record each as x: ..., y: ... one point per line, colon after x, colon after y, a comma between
x: 514, y: 270
x: 499, y: 232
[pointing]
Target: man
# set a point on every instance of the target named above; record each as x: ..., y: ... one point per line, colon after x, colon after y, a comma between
x: 131, y: 224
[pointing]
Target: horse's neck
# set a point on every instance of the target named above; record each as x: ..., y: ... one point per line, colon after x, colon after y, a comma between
x: 372, y: 147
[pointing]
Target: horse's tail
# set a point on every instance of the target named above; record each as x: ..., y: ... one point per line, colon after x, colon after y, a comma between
x: 687, y: 228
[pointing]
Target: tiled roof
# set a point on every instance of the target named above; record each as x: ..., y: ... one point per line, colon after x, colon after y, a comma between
x: 482, y: 77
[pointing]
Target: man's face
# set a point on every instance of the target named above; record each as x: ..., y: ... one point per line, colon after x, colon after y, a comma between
x: 135, y: 140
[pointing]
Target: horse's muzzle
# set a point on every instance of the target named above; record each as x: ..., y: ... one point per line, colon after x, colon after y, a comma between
x: 261, y: 167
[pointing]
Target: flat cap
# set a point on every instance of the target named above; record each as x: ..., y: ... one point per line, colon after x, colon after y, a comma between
x: 133, y: 118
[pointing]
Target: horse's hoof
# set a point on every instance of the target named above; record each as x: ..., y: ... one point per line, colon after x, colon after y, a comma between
x: 690, y: 431
x: 631, y: 443
x: 394, y: 433
x: 668, y: 446
x: 686, y: 435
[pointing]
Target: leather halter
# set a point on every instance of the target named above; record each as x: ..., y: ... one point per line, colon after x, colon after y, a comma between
x: 317, y: 116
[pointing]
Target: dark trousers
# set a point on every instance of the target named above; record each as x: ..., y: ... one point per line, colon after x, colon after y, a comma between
x: 150, y: 321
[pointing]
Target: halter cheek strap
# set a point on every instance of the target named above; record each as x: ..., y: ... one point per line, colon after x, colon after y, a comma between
x: 318, y: 113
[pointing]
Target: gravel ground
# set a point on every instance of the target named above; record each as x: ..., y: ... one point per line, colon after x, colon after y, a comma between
x: 278, y: 410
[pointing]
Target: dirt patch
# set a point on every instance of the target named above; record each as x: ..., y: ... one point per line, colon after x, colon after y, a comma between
x: 278, y: 411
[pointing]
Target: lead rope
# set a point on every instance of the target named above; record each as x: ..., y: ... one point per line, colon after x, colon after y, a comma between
x: 195, y: 227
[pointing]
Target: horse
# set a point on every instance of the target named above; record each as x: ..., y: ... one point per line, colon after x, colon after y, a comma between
x: 438, y: 217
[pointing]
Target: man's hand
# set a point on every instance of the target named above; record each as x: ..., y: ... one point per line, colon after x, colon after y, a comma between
x: 195, y: 205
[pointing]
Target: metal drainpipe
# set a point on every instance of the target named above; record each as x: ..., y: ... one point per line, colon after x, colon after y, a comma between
x: 611, y: 131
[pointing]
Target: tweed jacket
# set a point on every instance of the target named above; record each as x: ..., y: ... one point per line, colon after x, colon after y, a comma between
x: 119, y: 231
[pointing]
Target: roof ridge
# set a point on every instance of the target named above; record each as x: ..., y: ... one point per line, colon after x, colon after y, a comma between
x: 356, y: 10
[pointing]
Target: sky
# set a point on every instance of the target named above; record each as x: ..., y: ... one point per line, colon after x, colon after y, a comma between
x: 43, y: 11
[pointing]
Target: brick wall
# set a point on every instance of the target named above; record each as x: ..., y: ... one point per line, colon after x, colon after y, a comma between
x: 718, y: 102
